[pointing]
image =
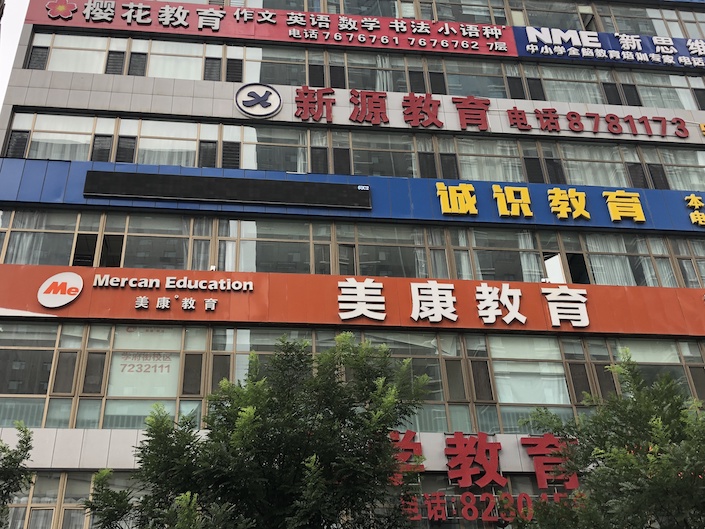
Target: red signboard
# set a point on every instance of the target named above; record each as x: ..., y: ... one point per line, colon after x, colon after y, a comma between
x: 380, y: 33
x: 168, y: 295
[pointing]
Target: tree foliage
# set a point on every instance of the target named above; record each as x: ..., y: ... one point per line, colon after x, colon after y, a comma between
x: 302, y: 443
x: 14, y: 474
x: 640, y: 458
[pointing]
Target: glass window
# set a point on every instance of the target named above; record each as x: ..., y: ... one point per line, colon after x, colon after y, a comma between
x: 29, y: 411
x: 131, y: 414
x: 284, y: 257
x: 146, y: 338
x: 46, y: 487
x: 154, y: 151
x: 405, y: 344
x: 524, y: 347
x: 25, y: 372
x: 156, y: 252
x: 28, y: 334
x: 57, y: 146
x: 393, y: 261
x: 39, y: 248
x: 58, y: 414
x: 144, y: 374
x: 647, y: 351
x: 264, y: 340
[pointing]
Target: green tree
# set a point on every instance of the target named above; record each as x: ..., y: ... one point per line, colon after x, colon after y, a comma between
x: 302, y: 443
x: 14, y: 474
x: 640, y: 458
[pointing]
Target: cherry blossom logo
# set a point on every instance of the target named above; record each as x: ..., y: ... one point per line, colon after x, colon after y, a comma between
x: 61, y: 9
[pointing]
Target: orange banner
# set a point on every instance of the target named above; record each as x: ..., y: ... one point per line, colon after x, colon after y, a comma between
x: 283, y: 299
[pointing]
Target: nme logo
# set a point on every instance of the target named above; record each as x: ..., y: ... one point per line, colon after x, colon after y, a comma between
x: 59, y: 290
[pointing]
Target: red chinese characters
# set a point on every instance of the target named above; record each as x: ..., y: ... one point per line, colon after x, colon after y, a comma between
x: 408, y: 449
x: 472, y: 111
x: 369, y: 107
x: 421, y: 110
x: 473, y: 455
x: 547, y: 462
x: 314, y: 104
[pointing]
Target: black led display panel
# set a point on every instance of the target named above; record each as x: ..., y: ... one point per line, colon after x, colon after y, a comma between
x: 231, y: 190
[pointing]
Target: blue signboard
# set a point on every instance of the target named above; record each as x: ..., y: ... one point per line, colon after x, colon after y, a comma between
x: 458, y: 202
x: 554, y: 43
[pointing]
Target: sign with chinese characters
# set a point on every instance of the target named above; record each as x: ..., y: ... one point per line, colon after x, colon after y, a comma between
x: 436, y: 302
x: 478, y: 461
x: 475, y: 115
x: 514, y: 201
x: 193, y: 296
x: 555, y: 43
x: 375, y: 198
x: 381, y: 33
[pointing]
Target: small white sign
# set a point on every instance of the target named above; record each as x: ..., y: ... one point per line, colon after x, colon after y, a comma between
x: 258, y: 100
x: 59, y: 290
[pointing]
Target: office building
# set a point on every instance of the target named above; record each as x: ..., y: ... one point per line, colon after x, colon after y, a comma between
x: 508, y: 191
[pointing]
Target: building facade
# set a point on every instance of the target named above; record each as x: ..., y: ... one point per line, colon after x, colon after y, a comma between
x: 509, y: 192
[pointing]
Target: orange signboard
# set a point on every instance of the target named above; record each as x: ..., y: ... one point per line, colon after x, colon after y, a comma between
x: 283, y: 299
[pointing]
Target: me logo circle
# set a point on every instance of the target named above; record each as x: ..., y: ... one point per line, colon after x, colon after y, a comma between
x: 258, y: 100
x: 59, y: 290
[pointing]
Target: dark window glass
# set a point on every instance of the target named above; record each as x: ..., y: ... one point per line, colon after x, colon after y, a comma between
x: 115, y: 63
x: 536, y: 89
x: 102, y: 145
x: 533, y: 169
x: 233, y: 71
x: 579, y: 377
x: 427, y: 165
x: 286, y: 257
x: 25, y: 371
x: 456, y: 386
x: 155, y: 252
x: 211, y: 69
x: 481, y: 380
x: 341, y: 161
x: 316, y: 75
x: 555, y: 171
x: 449, y: 166
x: 605, y: 380
x: 658, y: 176
x: 612, y: 93
x: 38, y: 58
x: 631, y: 95
x: 111, y: 251
x: 63, y: 381
x: 321, y: 259
x: 221, y: 370
x: 578, y: 269
x: 138, y: 64
x: 416, y: 83
x: 337, y: 76
x: 126, y: 149
x: 207, y: 153
x: 192, y: 375
x: 231, y: 155
x: 698, y: 375
x: 637, y: 175
x: 85, y: 249
x: 93, y: 380
x: 700, y: 97
x: 346, y: 260
x: 516, y: 88
x: 17, y: 144
x: 438, y: 83
x: 319, y: 160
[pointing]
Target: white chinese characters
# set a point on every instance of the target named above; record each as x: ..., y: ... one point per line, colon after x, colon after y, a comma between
x: 435, y: 302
